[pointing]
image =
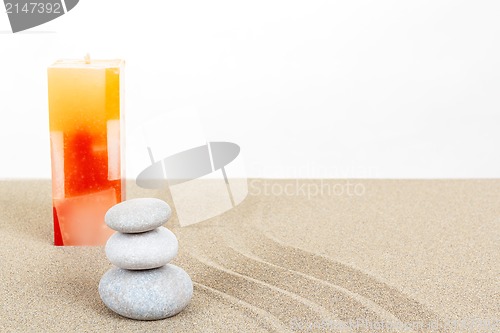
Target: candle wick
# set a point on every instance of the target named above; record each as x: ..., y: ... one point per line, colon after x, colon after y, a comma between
x: 87, y: 58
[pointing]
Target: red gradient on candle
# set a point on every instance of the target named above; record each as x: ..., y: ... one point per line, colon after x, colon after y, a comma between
x: 86, y: 165
x: 57, y: 230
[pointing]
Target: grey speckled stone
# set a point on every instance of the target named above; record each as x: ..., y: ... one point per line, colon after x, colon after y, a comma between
x: 138, y: 215
x: 146, y: 295
x: 144, y: 250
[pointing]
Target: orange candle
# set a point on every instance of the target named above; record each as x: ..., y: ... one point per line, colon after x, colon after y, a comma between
x: 86, y: 130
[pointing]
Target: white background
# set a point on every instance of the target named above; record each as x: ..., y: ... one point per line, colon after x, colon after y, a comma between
x: 381, y: 89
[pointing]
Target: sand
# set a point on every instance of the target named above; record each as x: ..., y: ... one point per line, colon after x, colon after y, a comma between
x: 420, y: 253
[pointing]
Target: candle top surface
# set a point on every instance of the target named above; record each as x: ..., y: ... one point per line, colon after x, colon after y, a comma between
x: 81, y: 63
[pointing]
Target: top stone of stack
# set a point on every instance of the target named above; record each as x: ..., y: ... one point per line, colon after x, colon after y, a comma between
x: 138, y: 215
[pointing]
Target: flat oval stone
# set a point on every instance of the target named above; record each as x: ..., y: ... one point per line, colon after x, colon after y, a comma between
x: 138, y: 215
x: 146, y: 295
x: 145, y: 250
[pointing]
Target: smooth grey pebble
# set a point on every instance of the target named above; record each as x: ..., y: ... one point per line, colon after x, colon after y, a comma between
x: 138, y: 215
x: 146, y: 295
x: 146, y: 250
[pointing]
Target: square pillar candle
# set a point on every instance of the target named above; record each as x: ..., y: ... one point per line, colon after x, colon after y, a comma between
x: 86, y: 138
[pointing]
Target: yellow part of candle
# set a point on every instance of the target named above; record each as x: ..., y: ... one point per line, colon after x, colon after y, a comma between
x: 83, y: 97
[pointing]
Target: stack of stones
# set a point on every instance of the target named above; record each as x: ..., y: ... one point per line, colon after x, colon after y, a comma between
x: 144, y: 286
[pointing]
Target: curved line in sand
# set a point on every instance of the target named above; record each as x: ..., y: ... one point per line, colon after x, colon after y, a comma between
x: 359, y: 299
x: 272, y: 251
x: 270, y: 320
x: 311, y: 305
x: 401, y: 306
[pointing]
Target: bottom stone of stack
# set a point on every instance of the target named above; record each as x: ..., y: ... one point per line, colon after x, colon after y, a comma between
x: 146, y: 294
